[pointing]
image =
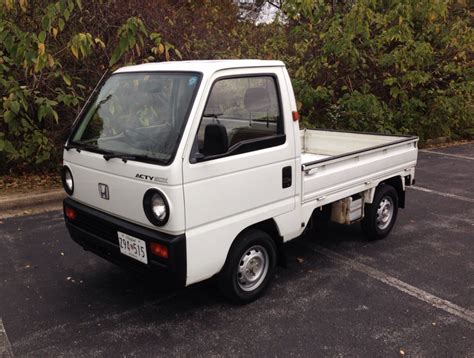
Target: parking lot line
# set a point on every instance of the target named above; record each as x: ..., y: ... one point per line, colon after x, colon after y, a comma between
x: 447, y: 154
x: 420, y: 294
x: 5, y: 346
x: 448, y: 195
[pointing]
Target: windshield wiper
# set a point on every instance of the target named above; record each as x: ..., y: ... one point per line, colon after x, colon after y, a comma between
x: 71, y: 146
x: 79, y: 146
x: 124, y: 157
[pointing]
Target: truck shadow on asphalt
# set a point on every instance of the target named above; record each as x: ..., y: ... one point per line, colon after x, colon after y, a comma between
x: 128, y: 289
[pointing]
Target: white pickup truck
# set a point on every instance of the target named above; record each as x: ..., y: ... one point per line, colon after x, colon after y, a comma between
x: 200, y: 169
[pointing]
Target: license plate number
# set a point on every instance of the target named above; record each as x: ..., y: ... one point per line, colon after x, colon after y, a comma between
x: 132, y: 247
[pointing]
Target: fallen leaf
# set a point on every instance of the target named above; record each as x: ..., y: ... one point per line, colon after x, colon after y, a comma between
x: 402, y: 353
x: 41, y: 48
x: 68, y: 278
x: 62, y: 253
x: 300, y: 259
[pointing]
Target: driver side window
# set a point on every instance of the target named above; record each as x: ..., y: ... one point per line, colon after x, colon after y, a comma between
x: 242, y: 114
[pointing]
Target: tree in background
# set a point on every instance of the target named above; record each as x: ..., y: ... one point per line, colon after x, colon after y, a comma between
x: 392, y: 66
x: 388, y: 66
x: 53, y: 52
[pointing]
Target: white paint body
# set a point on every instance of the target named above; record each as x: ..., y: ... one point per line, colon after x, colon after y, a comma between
x: 213, y: 201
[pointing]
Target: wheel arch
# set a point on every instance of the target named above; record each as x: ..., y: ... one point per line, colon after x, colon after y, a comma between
x: 270, y: 227
x: 397, y: 183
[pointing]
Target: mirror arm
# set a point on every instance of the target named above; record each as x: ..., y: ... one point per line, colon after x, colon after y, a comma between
x: 199, y: 157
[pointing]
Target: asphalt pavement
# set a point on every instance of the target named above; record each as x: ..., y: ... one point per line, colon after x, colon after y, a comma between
x: 411, y: 294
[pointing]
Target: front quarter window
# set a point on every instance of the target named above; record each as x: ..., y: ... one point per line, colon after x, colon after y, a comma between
x: 138, y: 114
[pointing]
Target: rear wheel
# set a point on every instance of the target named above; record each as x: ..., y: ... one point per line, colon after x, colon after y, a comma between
x: 249, y: 267
x: 380, y: 216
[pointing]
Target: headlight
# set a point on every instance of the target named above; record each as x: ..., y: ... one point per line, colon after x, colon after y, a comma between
x: 156, y: 207
x: 67, y: 179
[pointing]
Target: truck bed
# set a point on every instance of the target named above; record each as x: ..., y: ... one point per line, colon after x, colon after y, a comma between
x: 339, y: 164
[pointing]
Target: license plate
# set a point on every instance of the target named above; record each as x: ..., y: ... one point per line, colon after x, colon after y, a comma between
x: 132, y: 247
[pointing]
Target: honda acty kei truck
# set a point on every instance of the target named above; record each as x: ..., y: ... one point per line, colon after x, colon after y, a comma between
x: 200, y: 169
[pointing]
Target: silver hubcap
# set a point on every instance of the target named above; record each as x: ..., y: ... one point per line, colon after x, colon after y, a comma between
x: 252, y: 268
x: 385, y: 212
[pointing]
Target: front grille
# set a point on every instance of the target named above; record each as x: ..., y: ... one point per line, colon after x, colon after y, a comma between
x: 101, y: 228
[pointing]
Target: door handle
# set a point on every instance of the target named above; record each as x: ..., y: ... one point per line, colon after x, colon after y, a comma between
x: 286, y: 179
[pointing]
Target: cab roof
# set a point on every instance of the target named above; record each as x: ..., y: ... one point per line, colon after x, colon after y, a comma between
x: 204, y: 66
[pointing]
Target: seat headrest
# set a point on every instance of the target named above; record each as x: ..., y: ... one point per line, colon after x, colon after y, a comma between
x: 257, y: 99
x: 216, y: 140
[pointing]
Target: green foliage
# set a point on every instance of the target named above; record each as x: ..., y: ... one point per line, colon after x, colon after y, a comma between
x: 26, y: 62
x: 392, y: 66
x: 401, y: 66
x: 130, y: 37
x: 48, y: 65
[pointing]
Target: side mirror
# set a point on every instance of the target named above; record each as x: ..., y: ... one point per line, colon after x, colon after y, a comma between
x: 198, y: 157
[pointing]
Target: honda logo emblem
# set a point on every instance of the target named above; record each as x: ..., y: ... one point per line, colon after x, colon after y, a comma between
x: 104, y: 191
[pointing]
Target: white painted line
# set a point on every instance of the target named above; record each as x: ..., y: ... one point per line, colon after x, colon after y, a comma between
x: 5, y: 346
x: 447, y: 195
x: 448, y: 155
x: 424, y: 296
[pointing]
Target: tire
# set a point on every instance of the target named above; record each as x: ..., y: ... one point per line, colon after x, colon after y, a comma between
x: 381, y: 215
x: 249, y: 268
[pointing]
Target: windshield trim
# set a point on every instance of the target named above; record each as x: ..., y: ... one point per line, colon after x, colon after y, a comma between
x: 71, y: 144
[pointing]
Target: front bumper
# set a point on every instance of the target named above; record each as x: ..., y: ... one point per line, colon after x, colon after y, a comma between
x: 96, y: 231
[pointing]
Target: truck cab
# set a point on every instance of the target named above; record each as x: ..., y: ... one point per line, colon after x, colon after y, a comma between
x: 198, y: 169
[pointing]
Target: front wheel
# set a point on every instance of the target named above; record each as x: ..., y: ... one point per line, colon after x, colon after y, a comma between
x: 380, y: 216
x: 249, y: 267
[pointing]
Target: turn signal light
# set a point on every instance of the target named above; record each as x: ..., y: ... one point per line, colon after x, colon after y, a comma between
x: 159, y: 250
x: 71, y: 214
x: 296, y: 116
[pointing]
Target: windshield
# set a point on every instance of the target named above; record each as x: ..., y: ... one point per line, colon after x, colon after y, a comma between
x: 138, y: 114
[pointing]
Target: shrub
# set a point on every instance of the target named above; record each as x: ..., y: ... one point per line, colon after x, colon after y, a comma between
x: 391, y: 66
